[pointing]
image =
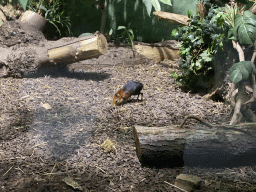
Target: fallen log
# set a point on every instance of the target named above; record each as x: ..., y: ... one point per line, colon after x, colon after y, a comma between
x: 164, y: 50
x: 218, y: 146
x: 172, y: 17
x: 53, y: 53
x: 79, y: 49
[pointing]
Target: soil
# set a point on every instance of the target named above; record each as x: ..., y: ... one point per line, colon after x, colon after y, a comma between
x: 54, y: 120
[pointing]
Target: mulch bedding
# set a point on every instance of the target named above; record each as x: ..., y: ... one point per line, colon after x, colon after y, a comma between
x: 54, y: 120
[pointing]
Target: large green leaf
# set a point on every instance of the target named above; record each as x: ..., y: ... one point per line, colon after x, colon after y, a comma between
x: 156, y: 5
x: 167, y: 2
x: 241, y: 71
x: 148, y: 5
x: 245, y: 28
x: 24, y: 4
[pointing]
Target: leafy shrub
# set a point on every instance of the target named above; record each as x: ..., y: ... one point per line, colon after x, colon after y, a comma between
x: 200, y: 41
x: 53, y: 11
x: 244, y: 31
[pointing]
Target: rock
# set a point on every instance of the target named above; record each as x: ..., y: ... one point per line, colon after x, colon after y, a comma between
x: 188, y: 182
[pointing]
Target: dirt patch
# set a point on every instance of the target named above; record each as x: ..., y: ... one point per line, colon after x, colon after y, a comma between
x: 70, y: 115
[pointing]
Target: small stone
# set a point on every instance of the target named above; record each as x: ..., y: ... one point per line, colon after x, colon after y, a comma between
x: 188, y: 182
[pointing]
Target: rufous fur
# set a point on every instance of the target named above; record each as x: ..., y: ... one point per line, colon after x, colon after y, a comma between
x: 129, y: 89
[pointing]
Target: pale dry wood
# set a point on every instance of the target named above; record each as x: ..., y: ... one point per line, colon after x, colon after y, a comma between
x: 66, y: 52
x: 159, y: 53
x: 253, y: 8
x: 82, y: 48
x: 172, y: 17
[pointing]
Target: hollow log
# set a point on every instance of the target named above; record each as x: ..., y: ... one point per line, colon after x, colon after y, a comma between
x: 53, y: 53
x: 219, y: 146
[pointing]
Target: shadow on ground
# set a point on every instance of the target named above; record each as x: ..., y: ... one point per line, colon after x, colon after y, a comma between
x: 63, y: 71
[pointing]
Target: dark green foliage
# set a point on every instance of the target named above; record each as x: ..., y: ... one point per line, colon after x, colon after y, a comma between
x: 127, y: 35
x: 149, y: 4
x: 241, y: 71
x: 200, y: 41
x: 244, y: 30
x: 54, y: 13
x: 243, y: 1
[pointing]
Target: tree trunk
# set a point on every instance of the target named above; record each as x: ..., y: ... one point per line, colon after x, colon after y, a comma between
x: 172, y: 146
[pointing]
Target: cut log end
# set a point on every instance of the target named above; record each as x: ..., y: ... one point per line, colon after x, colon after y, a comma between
x: 102, y: 44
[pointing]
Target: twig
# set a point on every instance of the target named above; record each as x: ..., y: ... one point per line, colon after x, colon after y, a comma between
x: 175, y: 186
x: 197, y: 118
x: 53, y: 173
x: 101, y: 170
x: 52, y: 169
x: 21, y: 170
x: 39, y: 144
x: 8, y: 171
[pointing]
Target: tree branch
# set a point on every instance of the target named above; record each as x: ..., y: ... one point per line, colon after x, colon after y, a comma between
x: 238, y: 105
x: 239, y: 49
x: 239, y: 101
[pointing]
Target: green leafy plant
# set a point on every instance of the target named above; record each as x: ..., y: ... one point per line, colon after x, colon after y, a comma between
x: 155, y: 3
x: 24, y: 4
x: 241, y: 71
x: 55, y: 16
x: 244, y: 28
x: 230, y: 11
x: 243, y: 32
x: 127, y: 34
x: 52, y: 10
x: 200, y: 40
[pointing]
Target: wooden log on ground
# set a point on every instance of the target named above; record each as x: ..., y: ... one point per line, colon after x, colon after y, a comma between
x: 82, y: 48
x: 160, y: 146
x: 172, y: 17
x: 54, y: 53
x: 172, y: 146
x: 164, y: 50
x: 33, y: 20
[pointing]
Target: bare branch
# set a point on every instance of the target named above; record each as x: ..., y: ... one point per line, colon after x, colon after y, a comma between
x: 239, y: 49
x: 253, y: 93
x: 239, y: 101
x: 254, y: 52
